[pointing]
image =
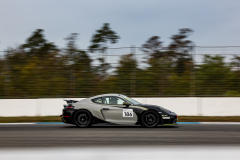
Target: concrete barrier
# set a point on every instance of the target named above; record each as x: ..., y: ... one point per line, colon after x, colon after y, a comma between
x: 192, y: 106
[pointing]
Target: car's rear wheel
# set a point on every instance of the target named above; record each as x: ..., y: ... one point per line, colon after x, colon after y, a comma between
x: 83, y: 119
x: 150, y: 119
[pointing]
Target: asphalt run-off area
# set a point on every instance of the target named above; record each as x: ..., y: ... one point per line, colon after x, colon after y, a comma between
x: 64, y: 135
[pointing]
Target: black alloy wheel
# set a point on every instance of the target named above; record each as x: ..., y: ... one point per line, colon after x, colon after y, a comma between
x: 150, y: 119
x: 83, y: 119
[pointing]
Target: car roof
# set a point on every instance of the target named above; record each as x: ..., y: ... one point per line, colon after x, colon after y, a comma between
x: 109, y: 94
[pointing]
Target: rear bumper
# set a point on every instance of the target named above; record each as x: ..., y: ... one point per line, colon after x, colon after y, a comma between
x: 66, y: 120
x: 67, y: 116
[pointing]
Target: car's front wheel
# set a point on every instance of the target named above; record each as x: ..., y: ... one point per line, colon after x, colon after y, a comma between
x: 150, y: 119
x: 83, y: 119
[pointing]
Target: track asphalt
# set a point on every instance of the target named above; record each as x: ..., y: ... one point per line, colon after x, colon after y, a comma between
x: 64, y: 135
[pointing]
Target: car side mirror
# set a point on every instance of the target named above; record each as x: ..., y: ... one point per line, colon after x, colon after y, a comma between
x: 126, y: 104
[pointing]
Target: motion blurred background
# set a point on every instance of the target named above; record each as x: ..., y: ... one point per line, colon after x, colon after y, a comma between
x: 40, y: 69
x: 183, y: 55
x: 197, y: 56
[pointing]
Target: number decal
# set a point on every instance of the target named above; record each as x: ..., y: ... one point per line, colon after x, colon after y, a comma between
x: 127, y: 113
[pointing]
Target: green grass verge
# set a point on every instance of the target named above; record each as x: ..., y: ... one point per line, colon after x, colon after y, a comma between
x: 30, y: 119
x: 208, y: 119
x: 180, y: 119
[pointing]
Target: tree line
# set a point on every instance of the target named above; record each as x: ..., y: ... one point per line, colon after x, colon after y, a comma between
x: 39, y: 69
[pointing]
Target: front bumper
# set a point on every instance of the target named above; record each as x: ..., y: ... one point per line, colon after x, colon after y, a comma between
x: 171, y: 120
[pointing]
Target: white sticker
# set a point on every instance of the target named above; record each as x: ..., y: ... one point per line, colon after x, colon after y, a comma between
x: 166, y: 117
x: 127, y: 113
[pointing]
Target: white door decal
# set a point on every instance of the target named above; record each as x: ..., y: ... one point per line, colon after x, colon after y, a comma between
x: 127, y: 113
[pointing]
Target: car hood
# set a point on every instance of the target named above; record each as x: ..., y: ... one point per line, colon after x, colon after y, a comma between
x: 148, y: 106
x: 157, y: 108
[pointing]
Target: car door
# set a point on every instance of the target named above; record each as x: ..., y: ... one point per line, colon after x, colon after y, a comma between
x: 114, y: 111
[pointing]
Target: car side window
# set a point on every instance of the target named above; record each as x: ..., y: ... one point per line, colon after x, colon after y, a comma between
x: 112, y: 100
x: 97, y: 100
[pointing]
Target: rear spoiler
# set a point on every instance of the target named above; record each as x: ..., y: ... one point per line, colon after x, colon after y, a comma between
x: 71, y: 101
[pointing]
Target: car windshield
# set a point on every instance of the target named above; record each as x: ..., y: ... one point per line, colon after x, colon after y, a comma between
x: 131, y: 100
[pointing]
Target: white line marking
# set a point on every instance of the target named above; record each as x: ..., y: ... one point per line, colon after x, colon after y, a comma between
x: 124, y: 153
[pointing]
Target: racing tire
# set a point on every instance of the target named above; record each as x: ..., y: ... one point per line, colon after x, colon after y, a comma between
x: 83, y: 119
x: 150, y: 119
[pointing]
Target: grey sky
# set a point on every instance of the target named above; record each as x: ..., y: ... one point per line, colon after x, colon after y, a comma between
x: 215, y: 22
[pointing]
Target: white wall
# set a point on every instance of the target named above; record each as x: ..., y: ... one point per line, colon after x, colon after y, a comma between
x: 182, y: 106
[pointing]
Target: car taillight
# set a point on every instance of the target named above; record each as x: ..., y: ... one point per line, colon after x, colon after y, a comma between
x: 63, y: 116
x: 70, y: 107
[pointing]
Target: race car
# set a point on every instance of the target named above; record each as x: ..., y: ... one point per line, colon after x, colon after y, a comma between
x: 115, y: 109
